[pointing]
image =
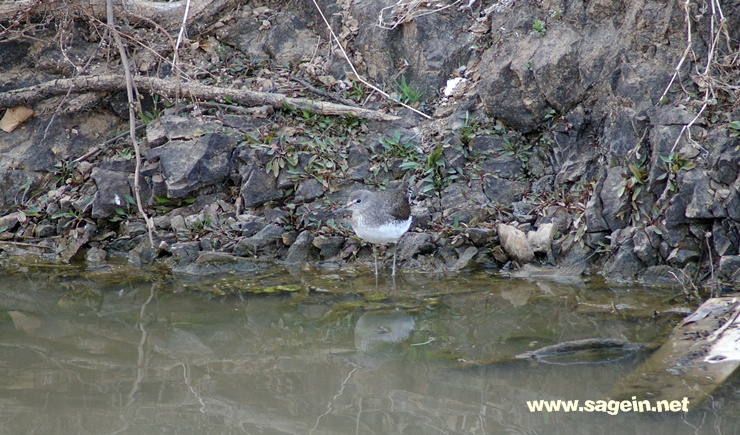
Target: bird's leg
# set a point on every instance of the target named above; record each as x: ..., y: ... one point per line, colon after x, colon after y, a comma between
x: 375, y: 254
x: 395, y: 250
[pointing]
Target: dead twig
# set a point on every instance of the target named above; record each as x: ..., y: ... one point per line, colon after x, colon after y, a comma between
x: 170, y: 88
x: 132, y: 119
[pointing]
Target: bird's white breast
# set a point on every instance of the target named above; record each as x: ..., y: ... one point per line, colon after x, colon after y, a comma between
x: 386, y: 233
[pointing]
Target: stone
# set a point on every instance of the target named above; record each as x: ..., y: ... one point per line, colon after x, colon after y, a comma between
x: 258, y: 187
x: 302, y: 250
x: 308, y: 190
x: 96, y: 256
x: 612, y: 203
x: 112, y: 187
x: 480, y: 236
x: 413, y: 244
x: 270, y: 234
x: 358, y: 162
x: 646, y: 242
x: 514, y: 242
x: 541, y: 240
x: 185, y: 251
x: 328, y: 246
x: 725, y: 238
x: 11, y: 220
x: 503, y: 191
x: 729, y: 267
x: 700, y: 194
x: 191, y: 165
x: 464, y: 259
x: 595, y: 222
x: 624, y: 265
x: 680, y: 257
x: 218, y: 264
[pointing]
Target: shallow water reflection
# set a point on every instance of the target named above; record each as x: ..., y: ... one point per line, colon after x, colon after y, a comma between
x: 90, y: 354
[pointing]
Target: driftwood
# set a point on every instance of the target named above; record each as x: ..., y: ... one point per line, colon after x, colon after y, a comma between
x: 171, y: 88
x: 701, y: 354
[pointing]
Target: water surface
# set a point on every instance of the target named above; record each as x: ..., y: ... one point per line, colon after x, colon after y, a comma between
x: 328, y: 352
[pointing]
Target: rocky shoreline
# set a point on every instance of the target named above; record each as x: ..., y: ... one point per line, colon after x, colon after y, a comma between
x: 560, y: 145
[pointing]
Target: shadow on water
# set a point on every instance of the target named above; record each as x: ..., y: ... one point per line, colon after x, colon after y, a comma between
x: 305, y: 351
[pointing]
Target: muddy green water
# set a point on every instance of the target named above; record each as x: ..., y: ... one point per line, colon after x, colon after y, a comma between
x: 330, y: 353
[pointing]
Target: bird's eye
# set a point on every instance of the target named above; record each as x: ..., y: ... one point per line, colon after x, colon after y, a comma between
x: 358, y: 200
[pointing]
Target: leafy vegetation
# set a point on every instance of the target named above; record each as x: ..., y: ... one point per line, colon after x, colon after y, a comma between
x: 539, y: 27
x: 408, y: 92
x: 671, y: 165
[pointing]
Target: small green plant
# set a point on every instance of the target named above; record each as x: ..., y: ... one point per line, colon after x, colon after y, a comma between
x: 518, y: 148
x: 734, y: 128
x: 396, y: 147
x: 164, y: 204
x: 468, y: 130
x: 408, y: 93
x: 671, y: 165
x: 633, y: 183
x: 539, y: 27
x: 149, y: 116
x: 64, y: 172
x: 283, y: 154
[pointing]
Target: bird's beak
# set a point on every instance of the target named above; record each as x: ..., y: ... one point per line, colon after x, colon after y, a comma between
x: 340, y: 210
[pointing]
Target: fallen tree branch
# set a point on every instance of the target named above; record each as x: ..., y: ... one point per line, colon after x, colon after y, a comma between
x: 169, y: 88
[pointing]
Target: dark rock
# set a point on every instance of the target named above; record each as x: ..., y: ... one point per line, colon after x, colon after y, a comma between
x: 218, y: 264
x: 725, y: 238
x: 504, y: 166
x: 112, y: 189
x: 675, y: 235
x: 732, y: 205
x: 96, y: 256
x: 595, y: 222
x: 699, y: 195
x: 185, y: 251
x: 358, y: 162
x: 486, y: 144
x: 680, y: 257
x: 328, y: 246
x: 191, y: 165
x: 612, y: 203
x: 480, y: 236
x: 543, y: 185
x: 729, y: 267
x: 268, y: 235
x: 624, y: 265
x: 289, y: 237
x: 464, y: 259
x: 10, y: 221
x: 646, y: 242
x: 44, y: 230
x: 413, y: 244
x: 302, y: 250
x: 177, y: 128
x: 502, y: 191
x: 308, y: 190
x: 259, y: 187
x: 143, y: 252
x: 133, y: 229
x: 659, y: 274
